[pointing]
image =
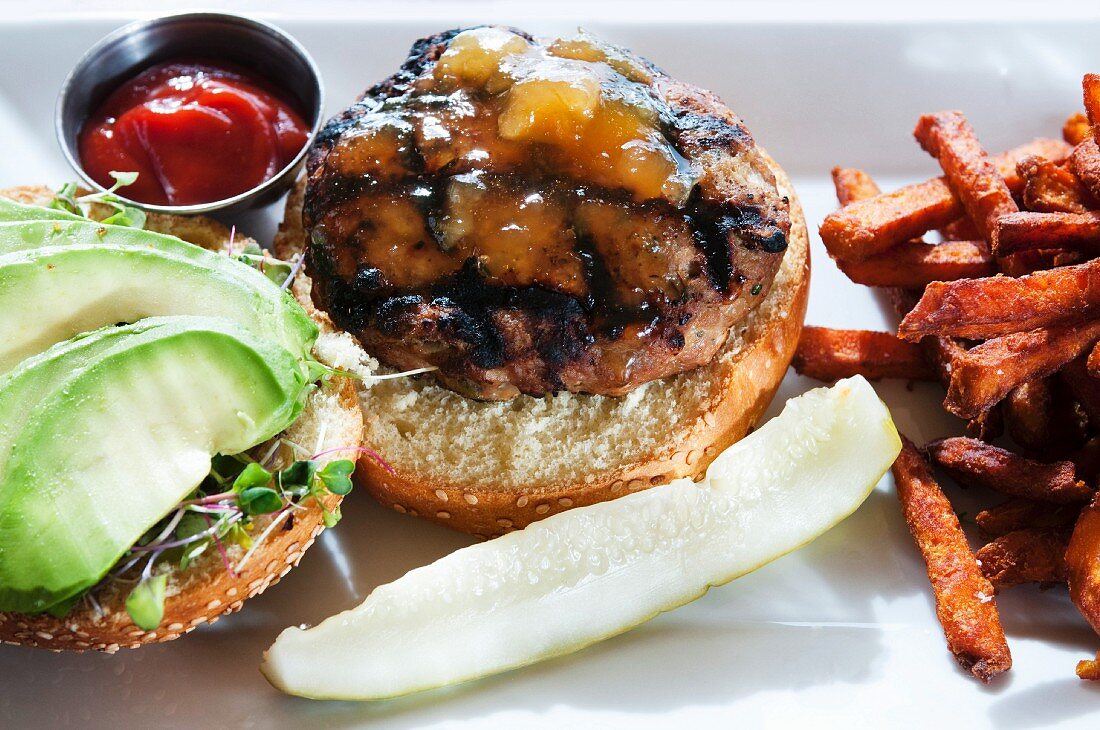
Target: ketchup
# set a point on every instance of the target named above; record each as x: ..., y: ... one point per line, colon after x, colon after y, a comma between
x: 195, y: 133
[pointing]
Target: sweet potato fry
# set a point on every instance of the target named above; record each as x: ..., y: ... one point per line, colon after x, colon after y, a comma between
x: 960, y: 230
x: 869, y: 226
x: 1085, y: 388
x: 964, y: 597
x: 853, y: 184
x: 1043, y: 418
x: 969, y: 172
x: 830, y: 354
x: 974, y: 463
x: 1023, y: 263
x: 1093, y: 362
x: 1030, y: 416
x: 1083, y: 564
x: 1028, y: 231
x: 1000, y: 305
x: 1025, y: 556
x: 1050, y: 187
x: 1090, y: 86
x: 1085, y: 163
x: 1076, y: 129
x: 1086, y: 458
x: 1023, y: 514
x: 873, y: 225
x: 914, y: 264
x: 940, y: 352
x: 1089, y: 668
x: 987, y: 372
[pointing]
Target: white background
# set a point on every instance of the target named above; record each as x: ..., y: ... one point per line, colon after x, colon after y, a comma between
x: 841, y: 633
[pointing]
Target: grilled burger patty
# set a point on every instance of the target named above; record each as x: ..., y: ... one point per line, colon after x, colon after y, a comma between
x: 531, y: 218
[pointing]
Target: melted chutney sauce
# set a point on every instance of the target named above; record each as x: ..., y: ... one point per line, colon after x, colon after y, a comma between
x: 195, y: 131
x: 506, y: 186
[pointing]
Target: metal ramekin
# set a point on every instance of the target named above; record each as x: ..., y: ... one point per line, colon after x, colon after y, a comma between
x: 251, y: 44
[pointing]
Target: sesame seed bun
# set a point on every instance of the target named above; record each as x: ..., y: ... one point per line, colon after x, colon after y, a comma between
x: 206, y: 590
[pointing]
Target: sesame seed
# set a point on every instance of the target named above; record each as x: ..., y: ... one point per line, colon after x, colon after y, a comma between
x: 443, y: 515
x: 399, y: 508
x: 565, y: 502
x: 441, y: 495
x: 522, y: 501
x: 470, y: 498
x: 542, y: 509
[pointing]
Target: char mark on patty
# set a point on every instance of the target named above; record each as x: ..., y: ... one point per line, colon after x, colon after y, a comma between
x: 514, y: 272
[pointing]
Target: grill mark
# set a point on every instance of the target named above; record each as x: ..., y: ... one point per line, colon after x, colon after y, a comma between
x: 711, y: 226
x: 611, y: 317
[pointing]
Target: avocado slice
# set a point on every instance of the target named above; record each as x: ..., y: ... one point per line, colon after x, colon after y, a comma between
x: 52, y: 293
x: 29, y: 234
x: 36, y: 377
x: 13, y: 211
x: 112, y: 447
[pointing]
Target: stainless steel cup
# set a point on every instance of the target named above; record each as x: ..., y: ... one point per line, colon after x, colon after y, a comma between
x: 250, y: 44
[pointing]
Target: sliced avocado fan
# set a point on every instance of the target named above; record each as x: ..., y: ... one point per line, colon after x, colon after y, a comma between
x: 125, y: 427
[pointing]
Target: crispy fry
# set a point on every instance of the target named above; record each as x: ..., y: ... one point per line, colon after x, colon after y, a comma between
x: 1085, y: 163
x: 940, y: 352
x: 1076, y: 129
x: 1029, y: 231
x: 987, y: 372
x: 902, y: 300
x: 972, y: 463
x: 1022, y: 514
x: 1000, y: 305
x: 969, y: 172
x: 964, y: 597
x: 1025, y: 556
x: 1083, y: 564
x: 1050, y: 187
x: 853, y: 184
x: 987, y: 425
x: 1044, y: 419
x: 1084, y: 388
x: 1093, y: 362
x: 830, y: 354
x: 873, y: 225
x: 1087, y: 459
x: 1089, y: 668
x: 1090, y: 85
x: 959, y: 230
x: 914, y: 264
x: 869, y: 226
x: 1029, y: 415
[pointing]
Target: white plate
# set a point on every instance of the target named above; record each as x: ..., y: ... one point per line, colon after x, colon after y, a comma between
x: 840, y: 632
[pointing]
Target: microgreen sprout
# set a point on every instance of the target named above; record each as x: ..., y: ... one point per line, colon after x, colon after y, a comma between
x: 124, y: 215
x: 277, y: 270
x: 223, y: 510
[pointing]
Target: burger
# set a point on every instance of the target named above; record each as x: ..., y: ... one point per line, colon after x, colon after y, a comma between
x: 598, y: 274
